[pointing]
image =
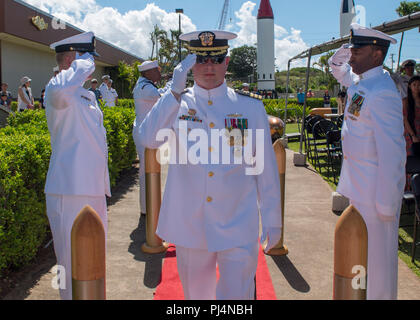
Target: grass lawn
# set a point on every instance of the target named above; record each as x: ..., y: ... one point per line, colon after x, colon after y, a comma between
x: 405, y: 233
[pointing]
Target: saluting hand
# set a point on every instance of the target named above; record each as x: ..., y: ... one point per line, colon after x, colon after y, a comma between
x: 341, y: 56
x: 180, y: 73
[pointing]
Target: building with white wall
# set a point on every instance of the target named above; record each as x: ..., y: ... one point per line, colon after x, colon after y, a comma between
x: 25, y: 36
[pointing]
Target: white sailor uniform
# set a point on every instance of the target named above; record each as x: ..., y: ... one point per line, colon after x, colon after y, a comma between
x: 78, y: 170
x: 210, y: 209
x: 373, y: 170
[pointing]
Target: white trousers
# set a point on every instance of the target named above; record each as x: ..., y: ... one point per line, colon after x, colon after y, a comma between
x: 237, y: 269
x: 62, y: 211
x: 382, y: 273
x: 142, y: 179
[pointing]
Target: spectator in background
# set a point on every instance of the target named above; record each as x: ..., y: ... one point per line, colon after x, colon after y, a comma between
x: 56, y: 70
x: 301, y: 97
x: 310, y: 94
x: 341, y: 102
x: 41, y: 101
x: 327, y: 99
x: 245, y: 87
x: 4, y: 87
x: 412, y: 113
x: 25, y: 98
x: 109, y: 95
x: 401, y: 80
x: 104, y: 83
x: 95, y: 90
x: 3, y: 102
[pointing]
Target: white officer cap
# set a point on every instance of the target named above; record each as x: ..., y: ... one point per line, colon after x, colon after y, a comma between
x: 362, y: 36
x: 56, y: 69
x: 208, y: 43
x: 245, y: 84
x: 93, y: 81
x: 84, y: 42
x: 147, y: 65
x: 25, y: 79
x: 106, y: 77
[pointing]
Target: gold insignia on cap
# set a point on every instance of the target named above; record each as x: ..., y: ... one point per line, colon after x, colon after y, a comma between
x: 207, y: 38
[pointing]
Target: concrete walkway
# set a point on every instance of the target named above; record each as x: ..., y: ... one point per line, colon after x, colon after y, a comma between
x: 305, y: 273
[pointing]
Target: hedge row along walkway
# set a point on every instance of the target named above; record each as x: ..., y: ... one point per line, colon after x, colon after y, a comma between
x: 306, y: 273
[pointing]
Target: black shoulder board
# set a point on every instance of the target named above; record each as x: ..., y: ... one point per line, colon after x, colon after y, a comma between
x: 249, y: 94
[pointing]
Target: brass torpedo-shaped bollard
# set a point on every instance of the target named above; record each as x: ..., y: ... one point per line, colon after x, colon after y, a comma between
x: 280, y: 249
x: 88, y: 256
x: 350, y: 256
x: 153, y: 243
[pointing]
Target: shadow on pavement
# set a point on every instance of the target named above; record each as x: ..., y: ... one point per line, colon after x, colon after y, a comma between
x: 153, y: 262
x: 291, y: 274
x: 22, y: 281
x: 127, y: 181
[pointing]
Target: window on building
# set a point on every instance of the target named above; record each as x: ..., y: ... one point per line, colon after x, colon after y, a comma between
x: 264, y: 76
x: 271, y: 76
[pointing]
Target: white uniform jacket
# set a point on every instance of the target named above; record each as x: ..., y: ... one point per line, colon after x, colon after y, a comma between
x: 373, y: 171
x: 79, y: 159
x: 145, y: 95
x: 108, y: 96
x: 213, y: 206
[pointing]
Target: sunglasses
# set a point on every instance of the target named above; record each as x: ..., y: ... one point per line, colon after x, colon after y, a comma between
x: 214, y: 60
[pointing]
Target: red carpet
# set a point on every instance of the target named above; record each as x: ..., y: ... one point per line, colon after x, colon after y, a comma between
x: 170, y: 287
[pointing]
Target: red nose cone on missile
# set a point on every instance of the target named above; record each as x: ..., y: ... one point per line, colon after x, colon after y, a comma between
x: 265, y: 11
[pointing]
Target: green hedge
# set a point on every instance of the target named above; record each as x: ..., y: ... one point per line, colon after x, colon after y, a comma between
x: 25, y: 152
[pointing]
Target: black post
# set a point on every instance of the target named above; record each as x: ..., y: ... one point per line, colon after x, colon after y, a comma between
x: 179, y: 11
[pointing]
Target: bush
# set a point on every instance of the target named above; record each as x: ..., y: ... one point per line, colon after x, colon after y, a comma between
x: 25, y: 152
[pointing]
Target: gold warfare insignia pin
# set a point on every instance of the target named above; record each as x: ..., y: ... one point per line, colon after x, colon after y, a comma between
x: 207, y: 38
x: 192, y: 112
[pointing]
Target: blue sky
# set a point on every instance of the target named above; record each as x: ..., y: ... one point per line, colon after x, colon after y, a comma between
x: 299, y: 23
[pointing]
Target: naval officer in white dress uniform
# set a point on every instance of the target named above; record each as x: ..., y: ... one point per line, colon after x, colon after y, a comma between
x: 145, y: 94
x: 78, y: 171
x: 210, y: 209
x: 373, y: 171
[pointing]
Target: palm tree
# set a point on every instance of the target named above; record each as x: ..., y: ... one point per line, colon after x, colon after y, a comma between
x: 406, y: 8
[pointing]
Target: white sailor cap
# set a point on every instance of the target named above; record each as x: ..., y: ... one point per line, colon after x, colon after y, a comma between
x: 84, y: 42
x: 362, y: 36
x: 147, y: 65
x: 106, y: 77
x: 208, y: 43
x: 245, y: 84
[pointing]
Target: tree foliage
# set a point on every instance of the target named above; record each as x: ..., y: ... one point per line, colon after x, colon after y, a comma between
x: 243, y: 61
x: 408, y: 7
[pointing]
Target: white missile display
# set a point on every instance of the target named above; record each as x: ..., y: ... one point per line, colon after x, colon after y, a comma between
x: 265, y: 48
x: 347, y: 16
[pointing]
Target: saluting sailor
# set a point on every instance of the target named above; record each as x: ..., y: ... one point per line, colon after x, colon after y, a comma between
x: 78, y: 171
x: 373, y: 171
x: 145, y: 94
x: 210, y: 206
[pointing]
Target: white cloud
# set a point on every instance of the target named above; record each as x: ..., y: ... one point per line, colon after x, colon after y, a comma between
x: 129, y: 31
x: 287, y: 44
